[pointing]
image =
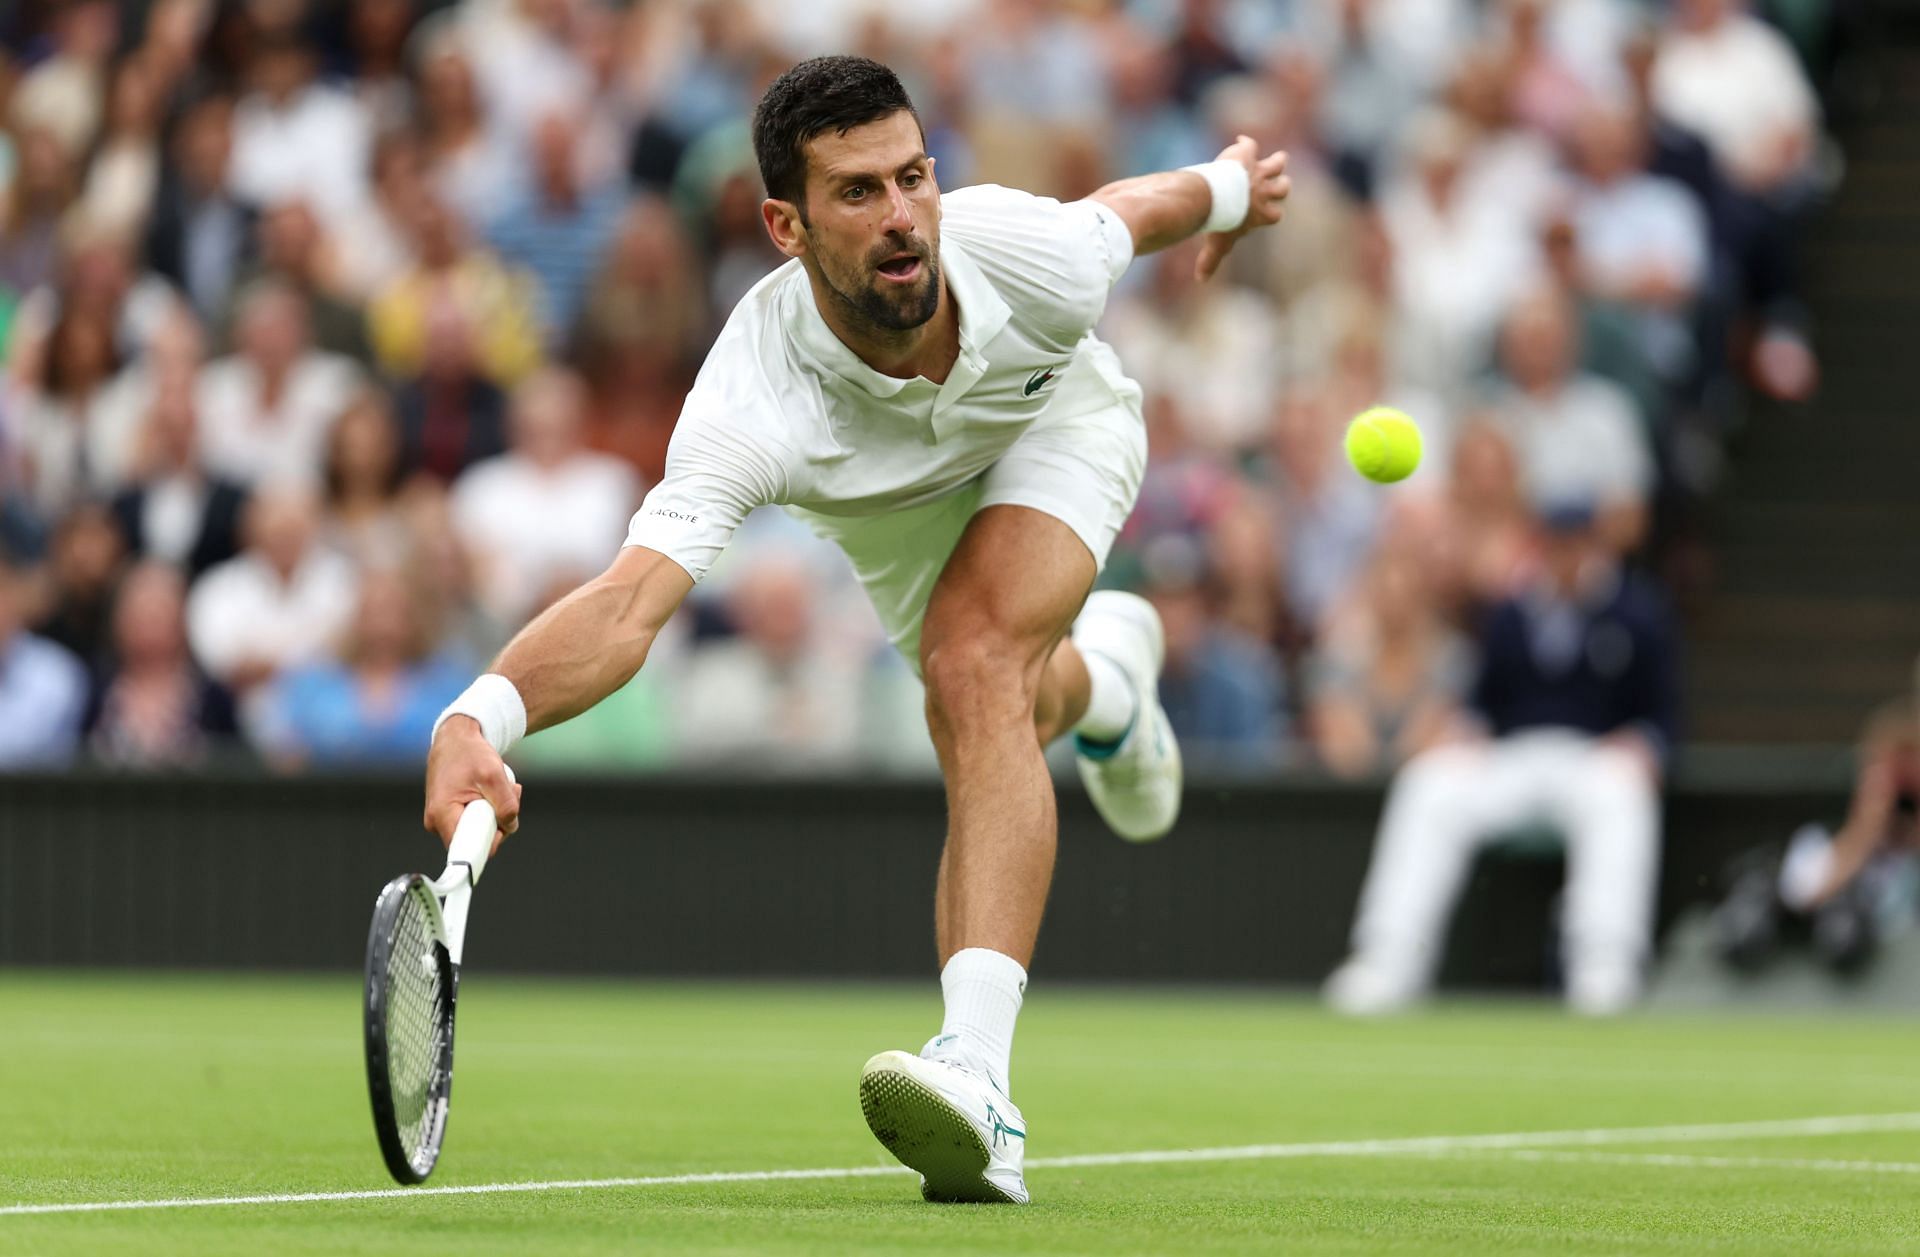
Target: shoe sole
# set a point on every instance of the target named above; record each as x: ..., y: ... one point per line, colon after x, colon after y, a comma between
x: 926, y: 1133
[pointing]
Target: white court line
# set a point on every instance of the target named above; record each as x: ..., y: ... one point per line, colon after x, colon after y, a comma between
x: 1689, y: 1161
x: 1428, y: 1144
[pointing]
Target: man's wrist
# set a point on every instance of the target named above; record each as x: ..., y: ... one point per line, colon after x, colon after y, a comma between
x: 494, y: 704
x: 1232, y: 190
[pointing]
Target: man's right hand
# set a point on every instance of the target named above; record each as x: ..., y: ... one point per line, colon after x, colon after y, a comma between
x: 461, y: 767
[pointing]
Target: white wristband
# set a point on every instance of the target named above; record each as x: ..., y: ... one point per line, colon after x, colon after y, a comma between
x: 1232, y: 193
x: 496, y: 705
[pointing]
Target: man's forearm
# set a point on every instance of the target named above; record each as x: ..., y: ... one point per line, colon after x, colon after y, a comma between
x: 576, y: 652
x: 1162, y: 209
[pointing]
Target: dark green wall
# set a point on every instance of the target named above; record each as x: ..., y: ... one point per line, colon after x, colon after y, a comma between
x: 763, y: 879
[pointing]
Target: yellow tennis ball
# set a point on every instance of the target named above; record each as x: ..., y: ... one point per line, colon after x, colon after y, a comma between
x: 1383, y: 445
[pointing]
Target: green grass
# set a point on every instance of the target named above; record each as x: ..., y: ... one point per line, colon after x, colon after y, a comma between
x: 129, y: 1087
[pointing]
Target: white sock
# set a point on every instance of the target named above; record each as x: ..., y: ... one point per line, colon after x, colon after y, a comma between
x: 983, y: 989
x: 1110, y: 700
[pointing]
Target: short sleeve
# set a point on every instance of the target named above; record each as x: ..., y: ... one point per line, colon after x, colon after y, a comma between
x: 1053, y: 261
x: 716, y: 475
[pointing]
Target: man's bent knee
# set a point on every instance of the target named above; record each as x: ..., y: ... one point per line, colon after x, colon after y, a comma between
x: 979, y: 677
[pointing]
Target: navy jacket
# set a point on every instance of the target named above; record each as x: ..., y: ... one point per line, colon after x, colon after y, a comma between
x: 1607, y: 664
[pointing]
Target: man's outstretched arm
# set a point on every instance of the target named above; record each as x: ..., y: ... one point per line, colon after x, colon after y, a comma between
x: 1163, y: 209
x: 575, y: 653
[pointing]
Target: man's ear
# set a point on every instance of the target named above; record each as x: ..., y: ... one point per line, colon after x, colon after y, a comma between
x: 784, y: 226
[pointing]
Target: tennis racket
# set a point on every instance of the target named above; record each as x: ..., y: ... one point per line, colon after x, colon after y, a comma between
x: 413, y: 974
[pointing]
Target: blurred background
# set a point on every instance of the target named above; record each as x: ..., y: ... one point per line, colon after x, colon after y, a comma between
x: 341, y: 336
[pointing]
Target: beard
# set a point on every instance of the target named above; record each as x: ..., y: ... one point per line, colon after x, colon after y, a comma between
x: 893, y: 308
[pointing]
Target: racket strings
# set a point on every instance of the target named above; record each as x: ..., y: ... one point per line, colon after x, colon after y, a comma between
x: 415, y: 1026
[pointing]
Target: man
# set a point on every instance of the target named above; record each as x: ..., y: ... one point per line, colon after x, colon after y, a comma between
x: 43, y: 688
x: 542, y: 507
x: 1577, y: 697
x: 558, y: 226
x: 202, y: 234
x: 1577, y: 435
x: 919, y: 384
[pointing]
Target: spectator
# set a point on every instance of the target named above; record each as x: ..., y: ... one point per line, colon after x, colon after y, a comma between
x: 265, y: 409
x: 443, y: 570
x: 64, y: 425
x: 174, y: 511
x: 201, y: 236
x: 640, y: 337
x: 451, y: 416
x: 44, y: 184
x: 498, y: 303
x: 527, y: 62
x: 381, y: 230
x: 43, y: 688
x: 363, y: 476
x: 1386, y: 680
x: 1642, y: 240
x: 281, y: 601
x: 1545, y: 91
x: 1485, y: 522
x: 547, y: 505
x: 295, y: 138
x: 1215, y: 344
x: 778, y: 693
x: 376, y: 37
x: 468, y: 166
x: 1576, y: 435
x: 1185, y: 489
x: 1734, y: 81
x: 63, y: 92
x: 125, y: 173
x: 1456, y: 263
x: 1328, y: 514
x: 1365, y: 91
x: 1577, y: 692
x: 294, y: 251
x: 556, y: 227
x: 375, y: 703
x: 84, y: 563
x: 1844, y: 891
x: 153, y: 706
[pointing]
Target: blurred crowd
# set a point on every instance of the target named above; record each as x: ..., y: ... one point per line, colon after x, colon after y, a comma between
x: 341, y: 336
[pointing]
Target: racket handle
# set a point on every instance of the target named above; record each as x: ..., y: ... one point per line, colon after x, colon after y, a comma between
x: 472, y: 842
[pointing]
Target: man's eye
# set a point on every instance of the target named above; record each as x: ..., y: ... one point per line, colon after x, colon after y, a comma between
x: 855, y: 192
x: 911, y: 181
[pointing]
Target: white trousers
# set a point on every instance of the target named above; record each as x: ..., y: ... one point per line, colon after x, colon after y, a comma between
x: 1449, y: 802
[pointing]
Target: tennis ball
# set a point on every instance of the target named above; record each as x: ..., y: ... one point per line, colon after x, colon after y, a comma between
x: 1383, y: 445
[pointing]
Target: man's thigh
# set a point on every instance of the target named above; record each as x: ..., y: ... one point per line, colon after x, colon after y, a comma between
x: 1017, y: 579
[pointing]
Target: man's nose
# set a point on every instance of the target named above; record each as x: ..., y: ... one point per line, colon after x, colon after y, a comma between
x: 899, y: 213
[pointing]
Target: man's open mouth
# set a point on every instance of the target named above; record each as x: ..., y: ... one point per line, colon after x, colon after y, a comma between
x: 901, y: 268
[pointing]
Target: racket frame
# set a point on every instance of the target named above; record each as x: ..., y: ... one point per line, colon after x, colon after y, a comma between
x: 405, y: 1168
x: 467, y: 856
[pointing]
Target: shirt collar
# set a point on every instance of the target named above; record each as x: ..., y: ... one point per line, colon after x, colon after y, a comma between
x: 982, y: 315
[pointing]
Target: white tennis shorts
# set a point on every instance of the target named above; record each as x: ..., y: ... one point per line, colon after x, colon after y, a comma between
x: 1081, y: 462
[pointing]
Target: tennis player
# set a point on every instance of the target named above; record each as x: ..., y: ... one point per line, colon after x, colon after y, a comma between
x: 919, y: 383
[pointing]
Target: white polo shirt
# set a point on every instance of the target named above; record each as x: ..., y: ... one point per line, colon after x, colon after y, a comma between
x: 784, y: 413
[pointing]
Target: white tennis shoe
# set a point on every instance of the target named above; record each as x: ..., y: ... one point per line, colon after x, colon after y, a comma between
x: 949, y: 1121
x: 1135, y: 783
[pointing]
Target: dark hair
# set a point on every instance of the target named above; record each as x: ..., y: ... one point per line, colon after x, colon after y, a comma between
x: 818, y: 95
